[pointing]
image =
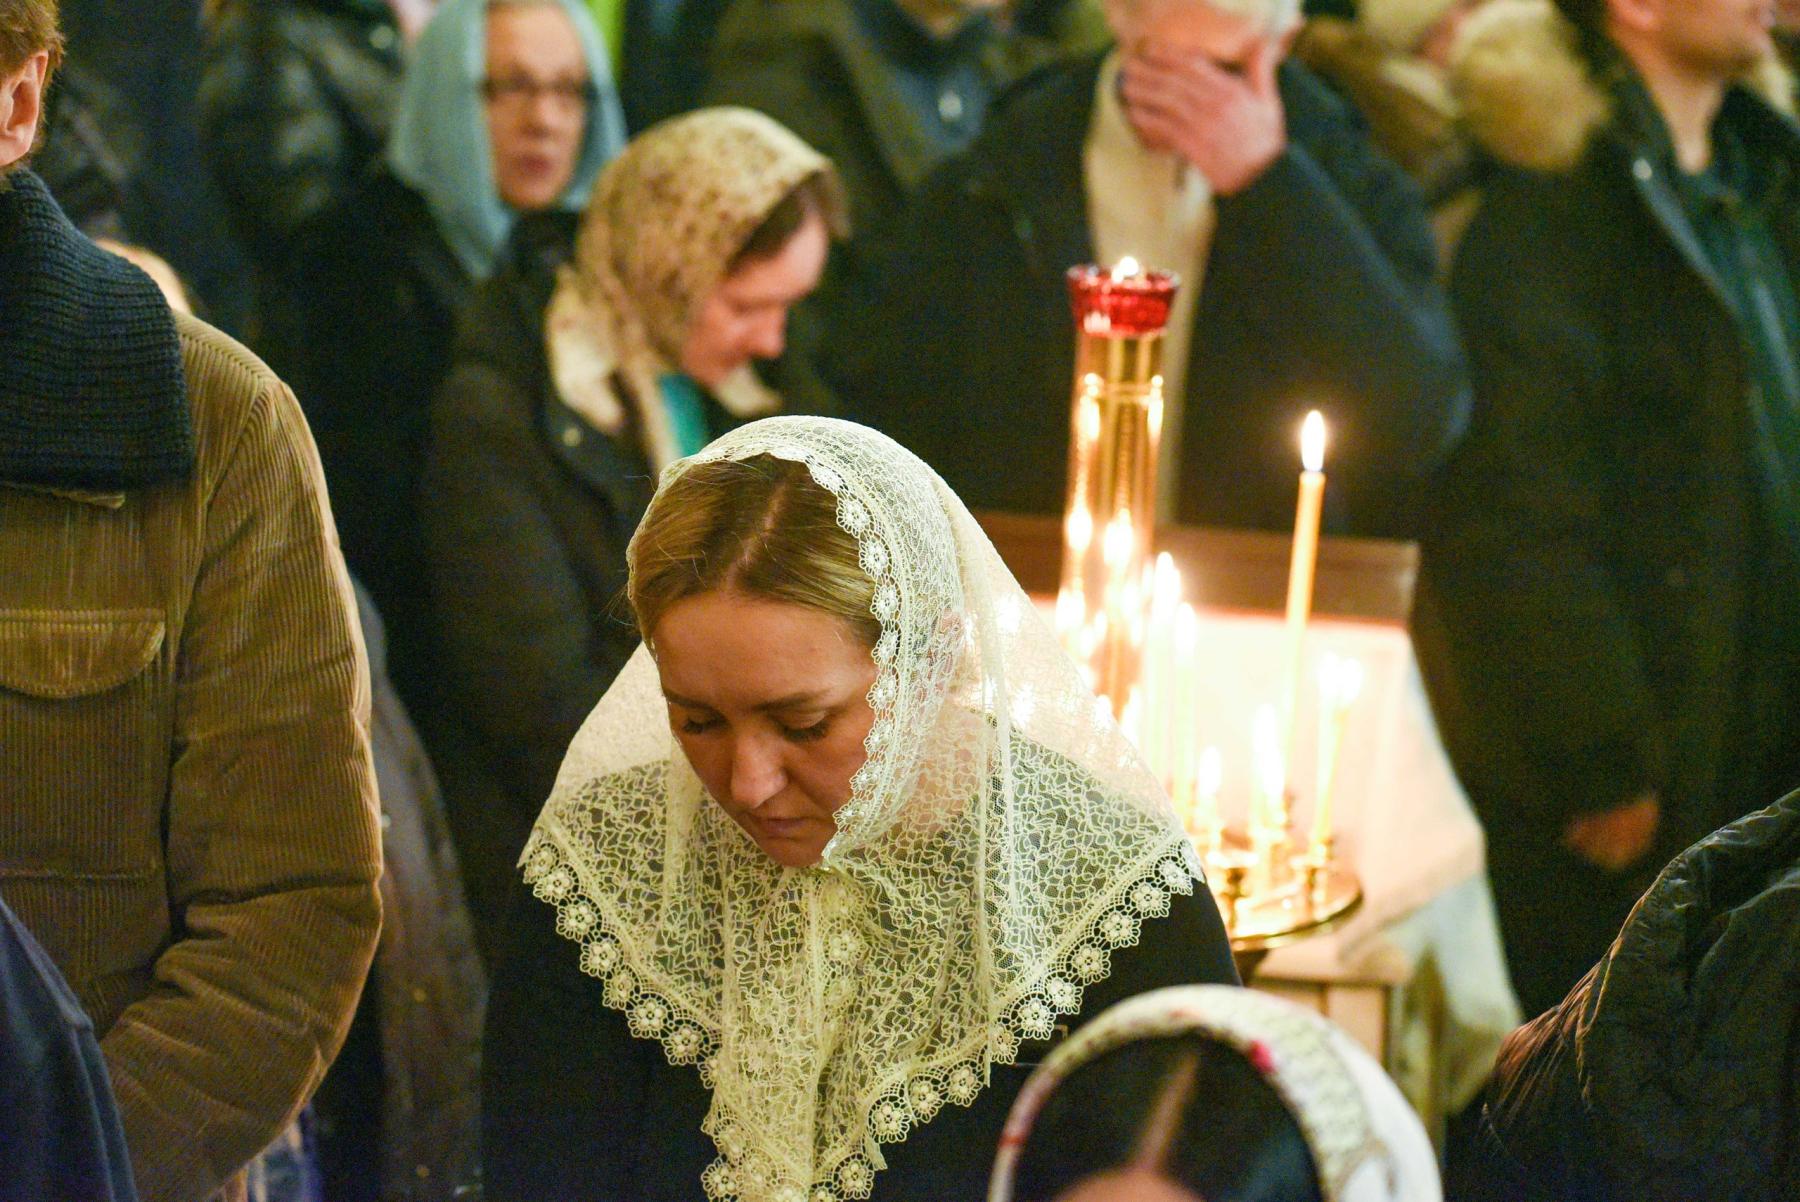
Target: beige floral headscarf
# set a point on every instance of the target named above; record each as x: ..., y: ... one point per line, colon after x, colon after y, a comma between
x: 667, y: 217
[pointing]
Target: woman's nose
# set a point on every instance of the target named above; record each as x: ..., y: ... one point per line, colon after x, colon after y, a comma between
x: 769, y: 337
x: 756, y: 773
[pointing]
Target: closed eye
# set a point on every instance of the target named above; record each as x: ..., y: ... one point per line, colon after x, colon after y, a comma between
x: 692, y: 725
x: 807, y: 734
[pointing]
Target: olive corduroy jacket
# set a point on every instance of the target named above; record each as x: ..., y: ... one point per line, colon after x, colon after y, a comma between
x: 187, y: 806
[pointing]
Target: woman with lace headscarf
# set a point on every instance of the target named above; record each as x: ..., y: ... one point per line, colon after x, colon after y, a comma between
x: 845, y: 849
x: 567, y: 393
x: 1127, y: 1111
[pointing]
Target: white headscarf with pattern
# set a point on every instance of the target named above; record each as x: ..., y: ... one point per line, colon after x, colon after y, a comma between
x: 1000, y: 842
x: 1365, y: 1140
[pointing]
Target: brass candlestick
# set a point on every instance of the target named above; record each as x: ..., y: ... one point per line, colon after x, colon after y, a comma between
x: 1115, y: 427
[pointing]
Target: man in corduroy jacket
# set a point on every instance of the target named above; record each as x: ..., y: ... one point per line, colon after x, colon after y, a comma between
x: 187, y: 818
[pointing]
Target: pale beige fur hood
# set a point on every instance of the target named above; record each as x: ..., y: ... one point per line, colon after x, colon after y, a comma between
x: 1528, y: 95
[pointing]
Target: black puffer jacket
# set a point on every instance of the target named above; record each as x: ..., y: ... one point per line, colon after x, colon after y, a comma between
x: 1673, y: 1070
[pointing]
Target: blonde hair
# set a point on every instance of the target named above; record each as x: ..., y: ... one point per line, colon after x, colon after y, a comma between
x: 759, y: 526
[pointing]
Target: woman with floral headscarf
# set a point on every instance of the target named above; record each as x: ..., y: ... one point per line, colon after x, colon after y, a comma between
x: 846, y: 847
x: 567, y: 393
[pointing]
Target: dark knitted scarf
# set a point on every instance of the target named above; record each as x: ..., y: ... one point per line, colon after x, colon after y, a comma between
x: 91, y: 388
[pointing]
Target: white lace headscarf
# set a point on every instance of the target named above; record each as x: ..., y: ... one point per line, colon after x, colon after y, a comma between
x: 1365, y: 1140
x: 1000, y: 842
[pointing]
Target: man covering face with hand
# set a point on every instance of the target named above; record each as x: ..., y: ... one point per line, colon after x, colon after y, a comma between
x: 1194, y: 146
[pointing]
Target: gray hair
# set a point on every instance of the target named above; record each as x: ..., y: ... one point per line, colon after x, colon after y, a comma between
x: 1277, y: 15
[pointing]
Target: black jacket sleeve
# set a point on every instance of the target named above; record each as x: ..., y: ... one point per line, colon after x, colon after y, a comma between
x: 59, y: 1126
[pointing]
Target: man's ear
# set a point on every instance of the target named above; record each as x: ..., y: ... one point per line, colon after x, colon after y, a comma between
x: 22, y: 107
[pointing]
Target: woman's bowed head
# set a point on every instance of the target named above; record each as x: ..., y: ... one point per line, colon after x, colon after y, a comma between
x: 847, y: 836
x: 701, y: 238
x: 749, y: 594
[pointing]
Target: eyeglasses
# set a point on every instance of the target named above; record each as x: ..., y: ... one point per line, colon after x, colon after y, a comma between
x: 519, y: 91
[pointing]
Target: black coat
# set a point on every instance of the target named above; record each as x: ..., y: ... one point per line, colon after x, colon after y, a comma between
x: 398, y: 1111
x: 296, y: 100
x: 575, y: 1109
x: 1319, y: 292
x: 530, y: 512
x: 60, y: 1135
x: 369, y: 341
x: 1673, y: 1070
x: 1606, y: 608
x: 147, y: 52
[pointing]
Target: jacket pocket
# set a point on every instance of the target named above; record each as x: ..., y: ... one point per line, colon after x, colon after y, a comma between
x: 61, y: 654
x: 84, y: 741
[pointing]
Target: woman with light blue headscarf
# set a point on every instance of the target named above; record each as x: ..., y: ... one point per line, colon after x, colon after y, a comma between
x: 475, y: 137
x: 507, y: 113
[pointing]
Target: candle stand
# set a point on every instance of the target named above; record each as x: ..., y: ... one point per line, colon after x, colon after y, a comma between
x: 1115, y: 426
x: 1123, y: 622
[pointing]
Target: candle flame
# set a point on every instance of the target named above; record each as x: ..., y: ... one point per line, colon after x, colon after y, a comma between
x: 1312, y: 442
x: 1079, y: 531
x: 1115, y: 545
x: 1090, y: 416
x: 1125, y: 268
x: 1340, y: 682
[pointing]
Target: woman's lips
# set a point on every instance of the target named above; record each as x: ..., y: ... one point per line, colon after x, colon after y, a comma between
x: 782, y: 828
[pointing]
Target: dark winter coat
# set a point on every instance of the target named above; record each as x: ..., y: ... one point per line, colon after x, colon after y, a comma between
x: 1673, y: 1070
x: 60, y: 1135
x: 398, y: 1114
x: 668, y: 46
x: 531, y: 510
x: 296, y: 99
x: 839, y: 73
x: 377, y: 316
x: 148, y: 53
x: 1607, y: 608
x: 1319, y: 291
x: 577, y: 1109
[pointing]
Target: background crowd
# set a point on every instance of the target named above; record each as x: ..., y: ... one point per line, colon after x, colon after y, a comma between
x: 1538, y: 262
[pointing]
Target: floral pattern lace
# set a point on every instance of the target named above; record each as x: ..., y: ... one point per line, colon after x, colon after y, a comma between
x: 1001, y: 841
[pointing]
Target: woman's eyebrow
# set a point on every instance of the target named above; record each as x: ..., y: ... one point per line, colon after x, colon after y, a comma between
x: 791, y: 701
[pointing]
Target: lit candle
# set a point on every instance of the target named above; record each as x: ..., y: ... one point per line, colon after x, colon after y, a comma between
x: 1302, y: 566
x: 1340, y: 684
x: 1271, y: 769
x: 1185, y: 721
x: 1205, y: 821
x: 1161, y: 679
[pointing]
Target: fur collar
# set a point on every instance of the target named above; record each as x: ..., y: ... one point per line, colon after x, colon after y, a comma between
x: 1532, y: 99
